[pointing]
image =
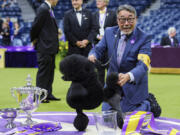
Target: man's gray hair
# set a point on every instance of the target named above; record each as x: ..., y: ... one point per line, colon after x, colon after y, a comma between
x: 126, y: 7
x: 106, y: 1
x: 171, y: 30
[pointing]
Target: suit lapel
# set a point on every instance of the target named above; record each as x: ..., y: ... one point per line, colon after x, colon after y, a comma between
x: 53, y: 18
x: 175, y: 42
x: 55, y: 23
x: 169, y: 40
x: 116, y: 37
x: 74, y: 18
x: 97, y: 18
x: 84, y: 18
x: 106, y: 18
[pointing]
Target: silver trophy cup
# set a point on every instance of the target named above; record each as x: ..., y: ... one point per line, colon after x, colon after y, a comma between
x: 29, y: 97
x: 9, y: 114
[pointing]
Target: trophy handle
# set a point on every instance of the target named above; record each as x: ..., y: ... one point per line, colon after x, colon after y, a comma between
x: 44, y: 93
x: 13, y: 90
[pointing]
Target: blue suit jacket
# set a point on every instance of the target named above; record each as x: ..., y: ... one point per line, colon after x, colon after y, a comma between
x: 137, y: 43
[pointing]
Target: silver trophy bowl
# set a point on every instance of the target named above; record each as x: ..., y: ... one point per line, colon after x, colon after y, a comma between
x: 9, y: 114
x: 29, y: 98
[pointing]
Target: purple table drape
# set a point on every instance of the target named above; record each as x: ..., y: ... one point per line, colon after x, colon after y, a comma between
x: 24, y: 56
x: 165, y: 58
x: 68, y: 117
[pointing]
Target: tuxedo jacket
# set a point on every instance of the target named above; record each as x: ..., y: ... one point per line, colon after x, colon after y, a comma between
x: 166, y: 41
x: 45, y: 31
x: 137, y: 43
x: 1, y: 23
x: 74, y: 32
x: 110, y: 20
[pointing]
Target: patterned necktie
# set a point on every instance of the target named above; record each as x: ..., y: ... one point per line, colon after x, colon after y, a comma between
x: 52, y: 13
x: 172, y: 42
x: 120, y: 49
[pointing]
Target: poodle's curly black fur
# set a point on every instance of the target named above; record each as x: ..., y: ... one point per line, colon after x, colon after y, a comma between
x: 85, y: 92
x: 77, y: 68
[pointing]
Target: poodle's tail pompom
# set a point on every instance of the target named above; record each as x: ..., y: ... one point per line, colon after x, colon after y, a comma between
x: 81, y: 121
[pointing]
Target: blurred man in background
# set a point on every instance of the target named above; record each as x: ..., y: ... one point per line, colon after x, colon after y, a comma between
x: 171, y: 39
x: 1, y: 23
x: 79, y: 29
x: 103, y: 18
x: 6, y: 38
x: 44, y: 35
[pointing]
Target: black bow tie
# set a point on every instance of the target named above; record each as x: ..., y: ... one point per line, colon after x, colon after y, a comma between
x: 79, y: 11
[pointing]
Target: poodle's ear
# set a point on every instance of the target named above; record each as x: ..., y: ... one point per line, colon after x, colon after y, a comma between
x: 112, y: 94
x: 108, y: 93
x: 112, y: 86
x: 155, y: 107
x: 112, y: 80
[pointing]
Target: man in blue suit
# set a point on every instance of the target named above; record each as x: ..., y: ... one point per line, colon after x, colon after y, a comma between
x: 129, y: 57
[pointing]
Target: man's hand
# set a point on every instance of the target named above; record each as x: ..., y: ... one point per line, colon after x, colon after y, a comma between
x: 85, y: 43
x: 123, y: 78
x: 79, y: 44
x: 99, y: 37
x: 92, y: 58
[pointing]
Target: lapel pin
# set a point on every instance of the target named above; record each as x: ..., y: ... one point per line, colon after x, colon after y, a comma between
x: 132, y: 41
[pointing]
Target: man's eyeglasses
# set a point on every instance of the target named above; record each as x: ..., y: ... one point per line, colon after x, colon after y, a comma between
x: 123, y: 20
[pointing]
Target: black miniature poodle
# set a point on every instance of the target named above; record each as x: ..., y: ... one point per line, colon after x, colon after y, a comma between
x: 86, y: 92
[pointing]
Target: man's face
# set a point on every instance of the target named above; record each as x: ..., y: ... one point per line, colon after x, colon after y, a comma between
x: 126, y: 21
x: 101, y: 4
x: 77, y: 3
x: 54, y: 2
x: 173, y: 34
x: 8, y: 19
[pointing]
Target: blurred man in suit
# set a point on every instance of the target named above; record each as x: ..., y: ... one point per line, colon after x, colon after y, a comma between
x: 1, y: 23
x: 44, y: 35
x: 171, y: 39
x: 79, y: 29
x: 129, y: 51
x: 103, y: 18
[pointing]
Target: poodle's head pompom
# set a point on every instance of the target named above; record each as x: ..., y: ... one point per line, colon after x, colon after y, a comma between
x: 76, y: 68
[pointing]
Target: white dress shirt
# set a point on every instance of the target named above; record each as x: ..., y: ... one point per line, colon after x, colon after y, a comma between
x: 79, y: 16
